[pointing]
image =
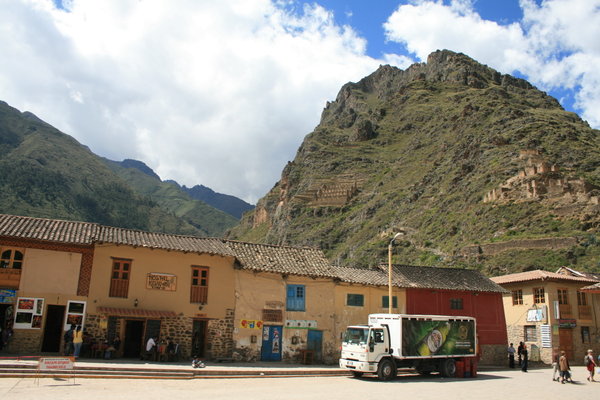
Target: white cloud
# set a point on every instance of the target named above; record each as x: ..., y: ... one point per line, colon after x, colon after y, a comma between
x: 555, y: 45
x: 205, y: 92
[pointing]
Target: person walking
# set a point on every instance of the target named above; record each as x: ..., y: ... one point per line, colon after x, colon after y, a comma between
x: 68, y: 337
x: 519, y: 350
x: 524, y: 358
x: 511, y: 356
x: 555, y: 367
x: 590, y: 364
x: 77, y: 341
x: 565, y: 368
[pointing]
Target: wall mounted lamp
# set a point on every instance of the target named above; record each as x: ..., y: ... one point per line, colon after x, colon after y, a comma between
x: 135, y: 303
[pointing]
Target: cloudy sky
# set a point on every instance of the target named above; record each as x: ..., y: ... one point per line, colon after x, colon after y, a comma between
x: 222, y: 93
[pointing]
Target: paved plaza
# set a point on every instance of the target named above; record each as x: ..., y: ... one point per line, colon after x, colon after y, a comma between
x: 489, y: 385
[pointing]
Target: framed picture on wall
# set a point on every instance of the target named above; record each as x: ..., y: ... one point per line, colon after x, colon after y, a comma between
x: 27, y: 310
x: 75, y: 314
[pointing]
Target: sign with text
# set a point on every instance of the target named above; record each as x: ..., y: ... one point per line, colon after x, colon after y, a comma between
x: 251, y: 324
x: 159, y: 281
x: 57, y: 363
x: 8, y: 296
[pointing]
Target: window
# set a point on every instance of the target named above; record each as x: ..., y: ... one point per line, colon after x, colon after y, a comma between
x: 539, y: 296
x: 563, y: 296
x: 295, y: 298
x: 456, y: 304
x: 530, y: 333
x: 581, y: 299
x: 385, y: 302
x: 11, y: 259
x: 356, y: 300
x: 585, y: 334
x: 517, y: 297
x: 119, y: 282
x: 199, y: 288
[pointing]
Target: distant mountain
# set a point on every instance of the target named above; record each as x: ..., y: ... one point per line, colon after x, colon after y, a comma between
x: 224, y: 202
x: 476, y: 168
x: 46, y: 173
x: 169, y: 195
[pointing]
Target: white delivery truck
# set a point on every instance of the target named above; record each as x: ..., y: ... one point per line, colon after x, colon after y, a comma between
x: 426, y: 343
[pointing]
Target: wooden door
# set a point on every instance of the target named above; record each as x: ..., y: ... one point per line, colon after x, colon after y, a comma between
x: 565, y: 342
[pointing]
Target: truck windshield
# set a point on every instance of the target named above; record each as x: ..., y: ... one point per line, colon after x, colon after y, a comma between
x: 356, y: 335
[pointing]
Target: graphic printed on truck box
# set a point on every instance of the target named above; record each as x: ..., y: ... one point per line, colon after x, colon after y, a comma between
x: 437, y: 338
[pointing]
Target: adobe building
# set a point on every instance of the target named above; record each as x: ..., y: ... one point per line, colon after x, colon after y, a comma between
x: 551, y: 312
x: 215, y: 298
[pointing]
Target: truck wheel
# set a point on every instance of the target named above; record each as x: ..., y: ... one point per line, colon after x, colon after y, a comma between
x: 448, y: 368
x: 357, y: 374
x: 386, y: 370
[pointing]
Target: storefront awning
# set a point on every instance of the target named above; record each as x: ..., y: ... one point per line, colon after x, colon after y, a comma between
x: 135, y: 312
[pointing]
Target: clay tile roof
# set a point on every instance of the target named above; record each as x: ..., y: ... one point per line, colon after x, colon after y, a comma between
x: 51, y: 230
x: 302, y: 261
x: 163, y: 241
x: 135, y: 312
x: 443, y: 278
x: 592, y: 288
x: 362, y: 276
x: 538, y: 275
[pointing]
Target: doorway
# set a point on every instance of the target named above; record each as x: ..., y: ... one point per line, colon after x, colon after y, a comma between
x: 198, y: 338
x: 315, y: 344
x: 271, y: 343
x: 53, y: 330
x: 565, y: 340
x: 133, y: 341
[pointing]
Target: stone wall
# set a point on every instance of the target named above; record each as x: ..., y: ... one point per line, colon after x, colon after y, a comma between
x: 25, y: 341
x: 220, y: 337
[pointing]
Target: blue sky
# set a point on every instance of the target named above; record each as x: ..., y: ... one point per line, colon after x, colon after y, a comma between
x: 222, y: 93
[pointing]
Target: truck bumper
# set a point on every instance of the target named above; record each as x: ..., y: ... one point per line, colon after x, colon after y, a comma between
x: 361, y: 366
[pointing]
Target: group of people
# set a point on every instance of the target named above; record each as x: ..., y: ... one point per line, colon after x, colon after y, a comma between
x: 560, y: 363
x: 78, y: 342
x: 522, y: 356
x: 159, y: 350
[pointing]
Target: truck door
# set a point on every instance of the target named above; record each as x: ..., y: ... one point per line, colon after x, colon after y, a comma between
x: 377, y: 343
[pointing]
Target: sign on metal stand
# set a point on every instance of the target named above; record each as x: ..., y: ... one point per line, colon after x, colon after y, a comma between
x: 55, y: 364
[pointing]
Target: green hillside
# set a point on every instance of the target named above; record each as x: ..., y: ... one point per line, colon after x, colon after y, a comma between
x: 170, y: 196
x: 477, y: 168
x: 45, y: 173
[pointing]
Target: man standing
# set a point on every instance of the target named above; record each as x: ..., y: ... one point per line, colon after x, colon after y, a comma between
x: 511, y: 356
x: 565, y: 368
x: 524, y: 357
x: 519, y: 349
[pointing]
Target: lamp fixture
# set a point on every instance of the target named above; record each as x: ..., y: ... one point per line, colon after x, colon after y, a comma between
x: 135, y: 302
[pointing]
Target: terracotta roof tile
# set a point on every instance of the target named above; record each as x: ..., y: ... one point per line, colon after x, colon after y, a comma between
x: 303, y: 261
x: 538, y: 274
x: 51, y: 230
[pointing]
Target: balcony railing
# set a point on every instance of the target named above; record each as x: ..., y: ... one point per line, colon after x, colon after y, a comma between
x: 119, y: 287
x: 10, y: 278
x: 199, y: 294
x: 585, y: 313
x: 565, y: 311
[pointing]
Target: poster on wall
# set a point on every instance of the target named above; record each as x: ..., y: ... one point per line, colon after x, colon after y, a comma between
x: 8, y: 296
x: 29, y: 312
x: 75, y: 314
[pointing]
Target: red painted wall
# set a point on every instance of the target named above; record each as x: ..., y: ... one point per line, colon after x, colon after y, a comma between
x: 487, y: 308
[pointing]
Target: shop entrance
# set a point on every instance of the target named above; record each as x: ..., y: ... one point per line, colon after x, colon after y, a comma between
x: 198, y: 338
x: 53, y: 330
x: 134, y: 334
x: 565, y: 340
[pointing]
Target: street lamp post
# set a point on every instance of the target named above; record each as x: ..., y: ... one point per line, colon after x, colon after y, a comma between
x: 390, y: 271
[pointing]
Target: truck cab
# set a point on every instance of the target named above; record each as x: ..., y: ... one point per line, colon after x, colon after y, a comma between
x: 363, y: 347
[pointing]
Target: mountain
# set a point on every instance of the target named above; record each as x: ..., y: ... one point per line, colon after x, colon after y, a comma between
x: 476, y: 168
x: 46, y: 173
x: 171, y: 197
x: 224, y: 202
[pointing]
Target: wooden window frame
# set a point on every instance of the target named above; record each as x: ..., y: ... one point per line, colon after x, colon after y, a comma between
x: 562, y: 295
x: 456, y: 303
x: 539, y: 295
x: 12, y: 261
x: 355, y: 300
x: 385, y: 302
x: 581, y: 298
x: 530, y: 333
x: 297, y: 302
x: 199, y: 284
x: 120, y: 275
x: 517, y: 297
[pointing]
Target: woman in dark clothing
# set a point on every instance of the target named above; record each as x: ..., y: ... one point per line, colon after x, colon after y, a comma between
x: 524, y: 356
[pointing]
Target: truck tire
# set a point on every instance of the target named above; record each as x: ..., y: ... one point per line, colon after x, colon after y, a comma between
x: 448, y: 368
x: 357, y: 374
x: 386, y: 370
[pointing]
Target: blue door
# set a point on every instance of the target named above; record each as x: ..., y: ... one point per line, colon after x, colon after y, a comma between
x: 315, y: 343
x: 271, y: 343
